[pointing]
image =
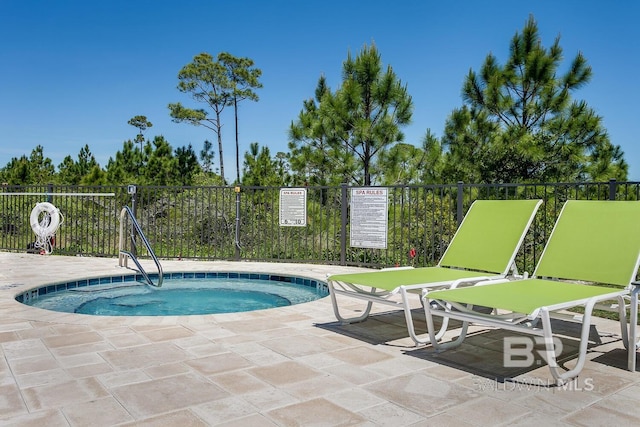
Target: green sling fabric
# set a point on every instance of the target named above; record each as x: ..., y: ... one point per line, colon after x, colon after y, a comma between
x: 391, y: 279
x: 521, y: 296
x: 489, y: 235
x: 595, y: 241
x: 486, y: 242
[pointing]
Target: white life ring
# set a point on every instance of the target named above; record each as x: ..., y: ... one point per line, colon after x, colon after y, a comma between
x: 49, y: 223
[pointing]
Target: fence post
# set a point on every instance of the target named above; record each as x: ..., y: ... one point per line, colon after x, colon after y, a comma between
x: 459, y: 206
x: 612, y: 189
x: 236, y: 241
x: 133, y: 190
x: 343, y: 224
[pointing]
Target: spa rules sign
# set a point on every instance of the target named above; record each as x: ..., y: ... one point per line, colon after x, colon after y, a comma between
x: 369, y: 218
x: 293, y: 207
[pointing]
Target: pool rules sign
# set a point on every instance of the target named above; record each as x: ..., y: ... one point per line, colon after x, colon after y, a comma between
x: 293, y: 207
x: 369, y: 218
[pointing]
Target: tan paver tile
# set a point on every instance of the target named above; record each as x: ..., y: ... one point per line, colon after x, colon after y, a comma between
x: 253, y: 420
x: 613, y: 411
x: 49, y: 418
x: 414, y: 390
x: 144, y: 356
x: 300, y: 345
x: 120, y: 378
x: 487, y: 410
x: 266, y: 357
x: 67, y: 329
x: 317, y: 412
x: 218, y: 363
x: 11, y: 403
x: 168, y: 370
x: 556, y: 402
x: 35, y: 332
x: 284, y: 373
x: 316, y: 387
x: 538, y: 420
x: 354, y: 374
x: 390, y: 414
x: 131, y: 339
x: 90, y: 370
x: 179, y: 418
x: 251, y: 326
x: 230, y: 408
x: 269, y: 398
x: 360, y: 355
x: 601, y: 382
x: 99, y: 412
x: 192, y: 340
x: 163, y: 395
x: 239, y: 382
x: 79, y: 360
x: 11, y: 326
x: 73, y: 350
x: 24, y: 348
x: 56, y: 395
x: 445, y: 420
x: 33, y: 364
x: 53, y: 376
x: 167, y: 334
x: 208, y: 349
x: 9, y: 336
x: 354, y: 399
x: 72, y: 339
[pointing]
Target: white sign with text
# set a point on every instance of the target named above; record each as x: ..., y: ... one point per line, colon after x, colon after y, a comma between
x: 293, y: 207
x: 369, y: 217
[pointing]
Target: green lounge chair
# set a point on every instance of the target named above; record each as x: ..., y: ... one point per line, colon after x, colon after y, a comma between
x: 484, y: 247
x: 597, y: 242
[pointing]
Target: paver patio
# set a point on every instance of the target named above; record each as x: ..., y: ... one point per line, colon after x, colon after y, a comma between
x: 290, y: 366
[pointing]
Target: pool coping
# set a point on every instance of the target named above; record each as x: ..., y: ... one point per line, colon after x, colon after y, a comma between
x: 320, y: 287
x: 57, y: 286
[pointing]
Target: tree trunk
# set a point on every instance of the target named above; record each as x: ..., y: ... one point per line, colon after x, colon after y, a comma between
x: 235, y: 109
x: 219, y: 132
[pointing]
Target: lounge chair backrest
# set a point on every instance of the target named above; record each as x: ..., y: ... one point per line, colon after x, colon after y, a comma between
x: 490, y: 235
x: 594, y: 241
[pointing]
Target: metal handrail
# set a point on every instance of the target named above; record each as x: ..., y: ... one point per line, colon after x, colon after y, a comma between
x: 123, y: 254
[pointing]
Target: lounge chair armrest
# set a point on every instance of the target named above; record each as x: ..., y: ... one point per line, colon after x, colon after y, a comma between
x: 634, y: 287
x: 492, y: 282
x: 524, y: 275
x: 405, y: 267
x: 425, y: 291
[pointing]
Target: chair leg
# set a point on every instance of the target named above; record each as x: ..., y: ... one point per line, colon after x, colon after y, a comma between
x: 624, y: 329
x: 409, y: 319
x: 345, y: 320
x: 633, y: 330
x: 563, y: 377
x: 435, y: 338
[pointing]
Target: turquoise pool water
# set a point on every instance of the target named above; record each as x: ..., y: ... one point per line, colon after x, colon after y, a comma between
x: 180, y: 294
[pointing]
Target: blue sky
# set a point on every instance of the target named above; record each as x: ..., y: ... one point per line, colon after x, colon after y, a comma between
x: 74, y: 72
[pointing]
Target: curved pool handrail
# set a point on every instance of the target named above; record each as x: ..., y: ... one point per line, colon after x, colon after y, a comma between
x: 124, y: 254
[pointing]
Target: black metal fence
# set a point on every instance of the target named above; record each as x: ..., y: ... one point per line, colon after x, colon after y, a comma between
x: 243, y: 223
